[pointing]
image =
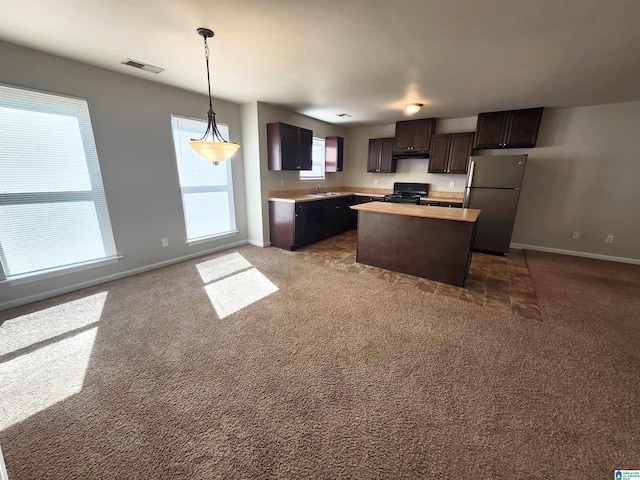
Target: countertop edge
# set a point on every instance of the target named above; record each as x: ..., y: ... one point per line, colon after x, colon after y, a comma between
x: 423, y: 211
x: 310, y: 197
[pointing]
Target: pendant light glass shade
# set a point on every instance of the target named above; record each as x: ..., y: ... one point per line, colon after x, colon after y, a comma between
x: 214, y: 151
x: 217, y: 149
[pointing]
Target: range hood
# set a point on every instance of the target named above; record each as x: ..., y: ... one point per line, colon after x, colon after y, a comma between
x: 411, y: 154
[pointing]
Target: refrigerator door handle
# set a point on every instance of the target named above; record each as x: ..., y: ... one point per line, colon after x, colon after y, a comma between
x: 470, y: 176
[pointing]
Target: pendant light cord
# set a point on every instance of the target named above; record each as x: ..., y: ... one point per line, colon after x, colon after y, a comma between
x: 206, y: 56
x: 212, y: 127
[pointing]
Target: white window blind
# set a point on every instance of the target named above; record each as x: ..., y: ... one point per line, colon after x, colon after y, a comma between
x: 207, y: 189
x: 317, y: 166
x: 53, y: 211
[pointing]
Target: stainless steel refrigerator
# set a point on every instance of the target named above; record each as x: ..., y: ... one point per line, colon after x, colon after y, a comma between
x: 494, y: 185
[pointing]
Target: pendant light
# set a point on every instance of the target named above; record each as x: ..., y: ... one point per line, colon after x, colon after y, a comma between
x: 217, y: 149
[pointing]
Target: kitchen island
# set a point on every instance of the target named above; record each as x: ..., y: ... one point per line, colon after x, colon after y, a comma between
x: 428, y: 242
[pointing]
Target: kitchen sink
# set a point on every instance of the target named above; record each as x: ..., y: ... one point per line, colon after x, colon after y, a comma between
x: 326, y: 194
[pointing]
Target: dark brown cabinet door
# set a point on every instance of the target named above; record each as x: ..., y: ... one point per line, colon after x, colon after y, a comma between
x: 439, y: 153
x: 305, y: 149
x: 450, y: 152
x: 373, y: 160
x: 289, y: 147
x: 509, y: 129
x: 490, y: 130
x: 405, y: 132
x: 333, y: 154
x: 380, y: 159
x: 522, y: 130
x: 387, y: 164
x: 461, y: 148
x: 414, y: 135
x: 315, y: 218
x: 424, y: 131
x: 299, y: 225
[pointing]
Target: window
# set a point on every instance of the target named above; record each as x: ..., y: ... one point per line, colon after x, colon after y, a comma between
x: 207, y: 189
x: 53, y: 211
x: 317, y: 157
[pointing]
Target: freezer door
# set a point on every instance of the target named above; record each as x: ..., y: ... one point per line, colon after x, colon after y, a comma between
x: 495, y: 224
x: 506, y: 171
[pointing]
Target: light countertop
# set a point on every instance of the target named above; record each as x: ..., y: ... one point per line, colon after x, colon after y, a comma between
x: 444, y: 213
x: 292, y: 197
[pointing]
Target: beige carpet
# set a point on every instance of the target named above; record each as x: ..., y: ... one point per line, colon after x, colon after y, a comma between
x: 330, y: 375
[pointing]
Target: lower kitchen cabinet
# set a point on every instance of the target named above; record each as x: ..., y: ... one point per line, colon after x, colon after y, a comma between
x: 358, y: 199
x: 294, y: 225
x: 434, y: 203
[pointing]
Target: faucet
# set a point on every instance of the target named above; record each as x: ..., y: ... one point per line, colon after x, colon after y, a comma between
x: 318, y: 189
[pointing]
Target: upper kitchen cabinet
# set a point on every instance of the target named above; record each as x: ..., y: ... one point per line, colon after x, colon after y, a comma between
x: 413, y: 137
x: 288, y: 147
x: 449, y: 153
x: 380, y: 158
x: 510, y: 129
x: 333, y: 154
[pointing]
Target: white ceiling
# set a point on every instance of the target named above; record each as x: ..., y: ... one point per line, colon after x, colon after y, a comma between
x: 363, y: 57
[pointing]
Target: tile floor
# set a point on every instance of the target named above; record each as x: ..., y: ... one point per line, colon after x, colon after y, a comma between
x: 502, y: 283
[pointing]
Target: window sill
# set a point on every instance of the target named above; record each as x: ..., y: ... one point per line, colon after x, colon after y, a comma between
x: 197, y: 241
x: 56, y: 272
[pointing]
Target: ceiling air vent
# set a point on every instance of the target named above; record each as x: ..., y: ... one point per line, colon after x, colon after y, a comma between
x: 142, y: 66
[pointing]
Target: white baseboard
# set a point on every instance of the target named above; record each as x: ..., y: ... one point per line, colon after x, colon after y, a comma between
x: 71, y: 288
x: 256, y: 243
x: 597, y: 256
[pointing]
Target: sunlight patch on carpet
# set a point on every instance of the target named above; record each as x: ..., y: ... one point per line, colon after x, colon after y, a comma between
x: 238, y: 291
x: 27, y: 330
x: 221, y: 267
x: 39, y: 379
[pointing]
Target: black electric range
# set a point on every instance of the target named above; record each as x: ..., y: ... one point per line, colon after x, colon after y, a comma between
x: 404, y: 192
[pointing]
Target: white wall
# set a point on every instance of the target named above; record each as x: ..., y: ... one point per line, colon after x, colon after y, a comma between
x: 583, y: 176
x: 131, y: 121
x: 408, y: 169
x: 253, y: 174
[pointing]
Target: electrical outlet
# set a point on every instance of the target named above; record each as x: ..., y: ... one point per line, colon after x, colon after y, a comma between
x: 282, y: 183
x: 609, y: 239
x: 165, y: 242
x: 452, y: 184
x: 375, y: 181
x: 576, y: 235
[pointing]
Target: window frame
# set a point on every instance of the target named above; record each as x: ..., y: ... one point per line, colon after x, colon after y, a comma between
x: 186, y: 190
x: 307, y: 174
x: 32, y: 100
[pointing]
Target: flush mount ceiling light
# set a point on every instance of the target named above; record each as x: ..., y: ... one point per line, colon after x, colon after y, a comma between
x: 217, y: 149
x: 412, y: 108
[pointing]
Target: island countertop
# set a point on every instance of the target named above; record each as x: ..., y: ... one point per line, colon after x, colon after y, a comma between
x: 443, y: 213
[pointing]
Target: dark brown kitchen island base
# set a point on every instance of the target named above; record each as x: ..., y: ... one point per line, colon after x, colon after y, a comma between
x: 430, y: 247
